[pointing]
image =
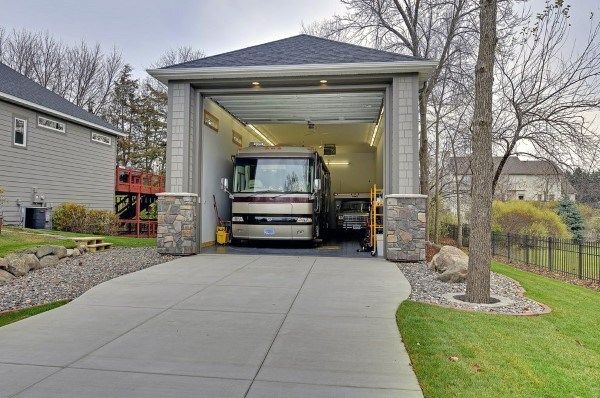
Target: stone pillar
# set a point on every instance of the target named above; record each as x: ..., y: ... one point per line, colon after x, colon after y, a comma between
x: 406, y: 227
x: 177, y: 223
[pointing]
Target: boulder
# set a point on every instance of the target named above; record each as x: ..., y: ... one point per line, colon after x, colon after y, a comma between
x: 18, y: 264
x: 82, y: 248
x: 449, y: 257
x: 60, y: 251
x: 453, y: 275
x: 49, y: 261
x: 33, y: 261
x: 5, y: 276
x: 75, y: 252
x: 3, y: 264
x: 44, y: 251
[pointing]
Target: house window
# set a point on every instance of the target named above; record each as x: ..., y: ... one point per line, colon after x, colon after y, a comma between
x: 521, y: 196
x: 50, y: 124
x: 101, y: 138
x: 20, y: 132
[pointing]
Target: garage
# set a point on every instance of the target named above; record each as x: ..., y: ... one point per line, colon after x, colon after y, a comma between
x: 275, y: 138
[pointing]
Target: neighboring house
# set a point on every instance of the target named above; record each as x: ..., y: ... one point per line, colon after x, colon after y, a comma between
x: 51, y: 151
x: 536, y: 180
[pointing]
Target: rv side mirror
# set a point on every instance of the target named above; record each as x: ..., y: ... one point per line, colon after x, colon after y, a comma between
x: 317, y: 184
x: 224, y: 184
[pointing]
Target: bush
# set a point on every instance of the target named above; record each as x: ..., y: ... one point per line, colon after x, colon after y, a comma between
x: 572, y: 218
x: 525, y: 218
x: 73, y: 217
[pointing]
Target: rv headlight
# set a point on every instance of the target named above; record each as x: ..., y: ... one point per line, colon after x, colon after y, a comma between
x: 237, y: 219
x: 304, y: 219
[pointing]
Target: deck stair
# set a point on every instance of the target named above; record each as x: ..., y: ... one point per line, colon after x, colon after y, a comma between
x: 93, y: 243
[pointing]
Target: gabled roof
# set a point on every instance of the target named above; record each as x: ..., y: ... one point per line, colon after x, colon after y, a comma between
x: 297, y: 50
x: 16, y: 88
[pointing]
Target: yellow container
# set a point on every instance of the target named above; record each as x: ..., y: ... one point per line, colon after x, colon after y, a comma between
x: 222, y: 235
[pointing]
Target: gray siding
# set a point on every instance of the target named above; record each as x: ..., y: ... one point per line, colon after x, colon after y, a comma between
x: 65, y: 167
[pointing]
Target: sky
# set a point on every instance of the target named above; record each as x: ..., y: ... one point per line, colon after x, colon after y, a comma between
x: 143, y: 29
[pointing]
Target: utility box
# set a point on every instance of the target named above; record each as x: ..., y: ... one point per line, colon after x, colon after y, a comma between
x: 35, y: 217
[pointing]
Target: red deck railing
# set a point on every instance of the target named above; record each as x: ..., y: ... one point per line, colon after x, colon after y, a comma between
x: 138, y: 185
x: 128, y: 180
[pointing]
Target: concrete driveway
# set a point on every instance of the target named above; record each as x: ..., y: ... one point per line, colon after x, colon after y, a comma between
x: 220, y: 326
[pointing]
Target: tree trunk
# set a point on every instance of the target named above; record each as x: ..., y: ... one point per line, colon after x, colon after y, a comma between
x: 436, y: 215
x: 480, y: 245
x: 423, y: 152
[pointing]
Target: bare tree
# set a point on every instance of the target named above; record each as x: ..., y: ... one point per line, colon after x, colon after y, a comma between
x: 545, y: 94
x: 422, y: 28
x: 82, y: 74
x: 178, y: 55
x: 478, y: 277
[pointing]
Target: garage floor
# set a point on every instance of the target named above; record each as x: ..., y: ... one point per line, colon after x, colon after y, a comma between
x: 335, y: 246
x: 220, y: 326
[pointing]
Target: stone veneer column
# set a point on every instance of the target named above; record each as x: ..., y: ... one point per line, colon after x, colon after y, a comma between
x: 406, y: 226
x: 177, y: 223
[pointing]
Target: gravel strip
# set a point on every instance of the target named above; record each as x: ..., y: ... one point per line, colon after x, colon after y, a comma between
x: 73, y: 276
x: 427, y: 289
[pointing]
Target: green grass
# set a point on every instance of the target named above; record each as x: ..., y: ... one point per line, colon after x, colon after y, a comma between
x: 16, y: 239
x: 552, y: 355
x: 13, y: 240
x: 14, y: 316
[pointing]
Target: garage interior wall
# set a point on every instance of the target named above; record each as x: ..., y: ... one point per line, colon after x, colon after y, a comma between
x: 358, y: 175
x: 217, y: 149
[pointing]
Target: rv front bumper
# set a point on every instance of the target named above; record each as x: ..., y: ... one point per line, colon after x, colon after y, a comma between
x: 272, y: 232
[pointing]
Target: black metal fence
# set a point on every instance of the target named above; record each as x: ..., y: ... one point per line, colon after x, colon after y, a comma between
x: 565, y: 256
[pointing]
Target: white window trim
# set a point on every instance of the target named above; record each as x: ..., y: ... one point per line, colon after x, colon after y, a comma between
x: 24, y: 144
x: 63, y: 131
x: 109, y: 143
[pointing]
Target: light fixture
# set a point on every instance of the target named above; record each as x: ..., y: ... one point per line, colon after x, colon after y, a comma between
x: 338, y: 163
x: 376, y: 128
x: 323, y: 81
x: 261, y: 135
x: 256, y: 83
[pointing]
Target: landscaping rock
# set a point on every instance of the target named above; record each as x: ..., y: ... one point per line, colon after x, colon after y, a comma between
x: 44, y: 251
x: 456, y: 274
x: 32, y: 260
x: 60, y: 251
x: 82, y: 248
x: 5, y: 276
x: 3, y: 264
x: 18, y: 264
x: 75, y: 252
x: 449, y: 257
x: 49, y: 261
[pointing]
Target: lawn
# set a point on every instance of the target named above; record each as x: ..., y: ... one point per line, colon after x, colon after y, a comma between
x: 552, y: 355
x: 15, y: 239
x: 13, y: 316
x: 12, y: 240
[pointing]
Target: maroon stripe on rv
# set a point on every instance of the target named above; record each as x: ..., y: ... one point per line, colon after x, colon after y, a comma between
x: 279, y: 199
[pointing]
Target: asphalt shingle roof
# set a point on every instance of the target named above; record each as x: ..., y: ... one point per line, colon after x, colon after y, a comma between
x: 15, y: 84
x: 296, y: 50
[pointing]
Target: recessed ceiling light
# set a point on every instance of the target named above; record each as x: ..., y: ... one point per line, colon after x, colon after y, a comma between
x: 323, y: 81
x: 256, y: 83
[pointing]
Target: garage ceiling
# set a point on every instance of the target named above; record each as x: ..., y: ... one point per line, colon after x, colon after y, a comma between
x: 359, y: 107
x: 299, y: 134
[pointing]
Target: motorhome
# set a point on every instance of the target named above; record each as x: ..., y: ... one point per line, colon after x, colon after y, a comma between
x: 279, y: 193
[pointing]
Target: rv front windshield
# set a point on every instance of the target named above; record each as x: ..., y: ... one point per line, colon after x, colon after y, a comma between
x: 274, y: 175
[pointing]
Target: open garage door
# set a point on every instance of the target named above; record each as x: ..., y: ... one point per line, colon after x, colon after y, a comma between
x: 344, y: 131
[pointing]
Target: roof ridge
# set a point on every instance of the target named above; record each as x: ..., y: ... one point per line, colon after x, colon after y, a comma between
x: 359, y: 46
